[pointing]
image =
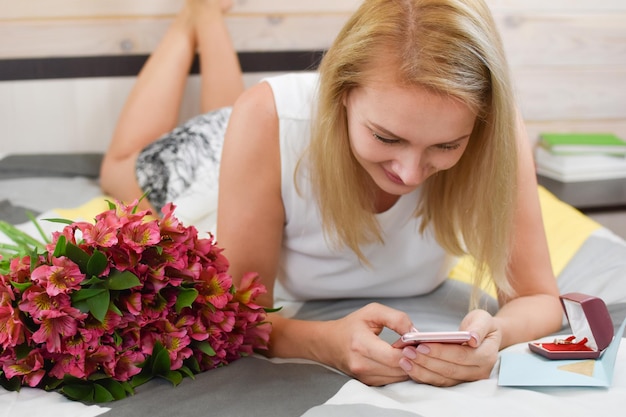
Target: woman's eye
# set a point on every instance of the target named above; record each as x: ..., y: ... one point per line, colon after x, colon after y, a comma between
x: 448, y: 146
x: 384, y: 140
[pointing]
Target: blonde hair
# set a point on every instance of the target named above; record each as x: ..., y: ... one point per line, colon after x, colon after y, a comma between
x: 450, y: 47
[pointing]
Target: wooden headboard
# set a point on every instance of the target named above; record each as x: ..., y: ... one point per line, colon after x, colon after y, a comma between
x: 66, y: 66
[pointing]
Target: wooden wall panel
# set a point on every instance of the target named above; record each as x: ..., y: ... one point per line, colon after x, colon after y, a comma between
x: 568, y: 60
x: 562, y: 40
x: 530, y: 38
x: 47, y: 9
x: 55, y: 9
x: 96, y: 37
x: 551, y: 94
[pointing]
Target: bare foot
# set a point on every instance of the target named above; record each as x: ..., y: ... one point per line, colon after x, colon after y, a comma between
x: 223, y: 5
x: 226, y: 5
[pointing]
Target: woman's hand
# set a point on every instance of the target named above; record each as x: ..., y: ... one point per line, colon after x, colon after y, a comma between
x: 445, y: 365
x: 353, y: 346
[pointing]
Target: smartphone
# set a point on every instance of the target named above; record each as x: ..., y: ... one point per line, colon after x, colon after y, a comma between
x: 415, y: 338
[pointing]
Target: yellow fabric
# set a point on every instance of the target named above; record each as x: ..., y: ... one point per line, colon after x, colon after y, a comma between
x: 566, y: 231
x: 87, y: 211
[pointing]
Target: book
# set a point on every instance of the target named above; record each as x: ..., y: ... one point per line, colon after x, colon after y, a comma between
x: 575, y: 168
x: 583, y: 143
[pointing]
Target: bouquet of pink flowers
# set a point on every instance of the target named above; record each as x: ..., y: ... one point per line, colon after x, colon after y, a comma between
x: 106, y: 306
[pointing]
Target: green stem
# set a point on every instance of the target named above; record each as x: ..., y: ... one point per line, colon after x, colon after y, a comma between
x: 38, y: 226
x: 19, y: 237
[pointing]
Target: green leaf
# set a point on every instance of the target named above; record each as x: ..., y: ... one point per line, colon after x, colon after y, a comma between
x: 187, y: 372
x: 98, y: 376
x: 93, y: 281
x: 79, y: 256
x: 117, y: 390
x: 79, y: 391
x: 97, y: 263
x: 161, y: 364
x: 53, y: 384
x: 122, y: 280
x: 101, y: 394
x: 22, y: 286
x: 186, y: 297
x: 141, y: 378
x: 12, y: 384
x: 81, y: 305
x: 34, y: 260
x: 144, y: 195
x: 22, y: 351
x: 117, y: 339
x: 99, y: 305
x: 127, y: 387
x: 205, y: 347
x: 272, y: 310
x: 58, y: 220
x: 86, y: 293
x: 60, y: 247
x: 113, y: 308
x: 174, y: 377
x: 192, y: 364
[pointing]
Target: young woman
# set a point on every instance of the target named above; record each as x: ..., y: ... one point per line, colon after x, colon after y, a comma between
x: 362, y: 180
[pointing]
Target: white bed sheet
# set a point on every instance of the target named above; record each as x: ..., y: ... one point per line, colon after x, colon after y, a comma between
x: 482, y: 398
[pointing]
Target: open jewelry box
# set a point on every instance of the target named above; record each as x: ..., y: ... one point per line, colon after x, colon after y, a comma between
x: 591, y: 324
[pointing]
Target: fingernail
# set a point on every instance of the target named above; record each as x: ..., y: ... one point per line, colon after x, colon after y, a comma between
x: 423, y: 349
x: 474, y: 336
x: 406, y: 364
x: 409, y: 352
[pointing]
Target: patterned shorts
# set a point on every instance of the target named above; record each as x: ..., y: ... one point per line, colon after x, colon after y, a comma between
x: 187, y: 156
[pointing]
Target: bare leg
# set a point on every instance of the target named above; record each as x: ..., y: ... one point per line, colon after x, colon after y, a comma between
x: 153, y: 105
x: 222, y: 80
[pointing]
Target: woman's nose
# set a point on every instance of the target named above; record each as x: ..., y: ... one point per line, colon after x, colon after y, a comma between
x: 412, y: 170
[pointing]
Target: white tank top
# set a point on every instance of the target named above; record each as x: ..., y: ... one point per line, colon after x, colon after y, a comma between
x: 407, y: 264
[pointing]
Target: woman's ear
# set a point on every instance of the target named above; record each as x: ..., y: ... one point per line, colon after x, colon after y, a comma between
x: 344, y: 98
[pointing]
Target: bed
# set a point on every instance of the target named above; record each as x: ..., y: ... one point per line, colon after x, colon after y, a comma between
x: 587, y: 258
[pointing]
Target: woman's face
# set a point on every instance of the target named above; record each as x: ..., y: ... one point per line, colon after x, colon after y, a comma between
x: 403, y: 135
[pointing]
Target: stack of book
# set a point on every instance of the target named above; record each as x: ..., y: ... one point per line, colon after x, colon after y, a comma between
x: 573, y: 157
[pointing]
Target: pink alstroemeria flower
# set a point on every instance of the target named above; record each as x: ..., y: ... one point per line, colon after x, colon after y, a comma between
x: 7, y: 296
x: 56, y: 324
x: 102, y: 358
x: 249, y: 289
x: 221, y: 321
x: 176, y: 342
x: 62, y: 276
x: 20, y: 269
x: 171, y: 228
x: 127, y: 365
x: 31, y: 368
x: 137, y: 235
x: 35, y: 300
x: 68, y: 232
x: 100, y: 234
x: 11, y: 327
x: 68, y: 364
x: 215, y: 288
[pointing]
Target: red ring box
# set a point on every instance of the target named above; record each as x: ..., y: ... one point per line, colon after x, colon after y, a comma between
x: 591, y: 324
